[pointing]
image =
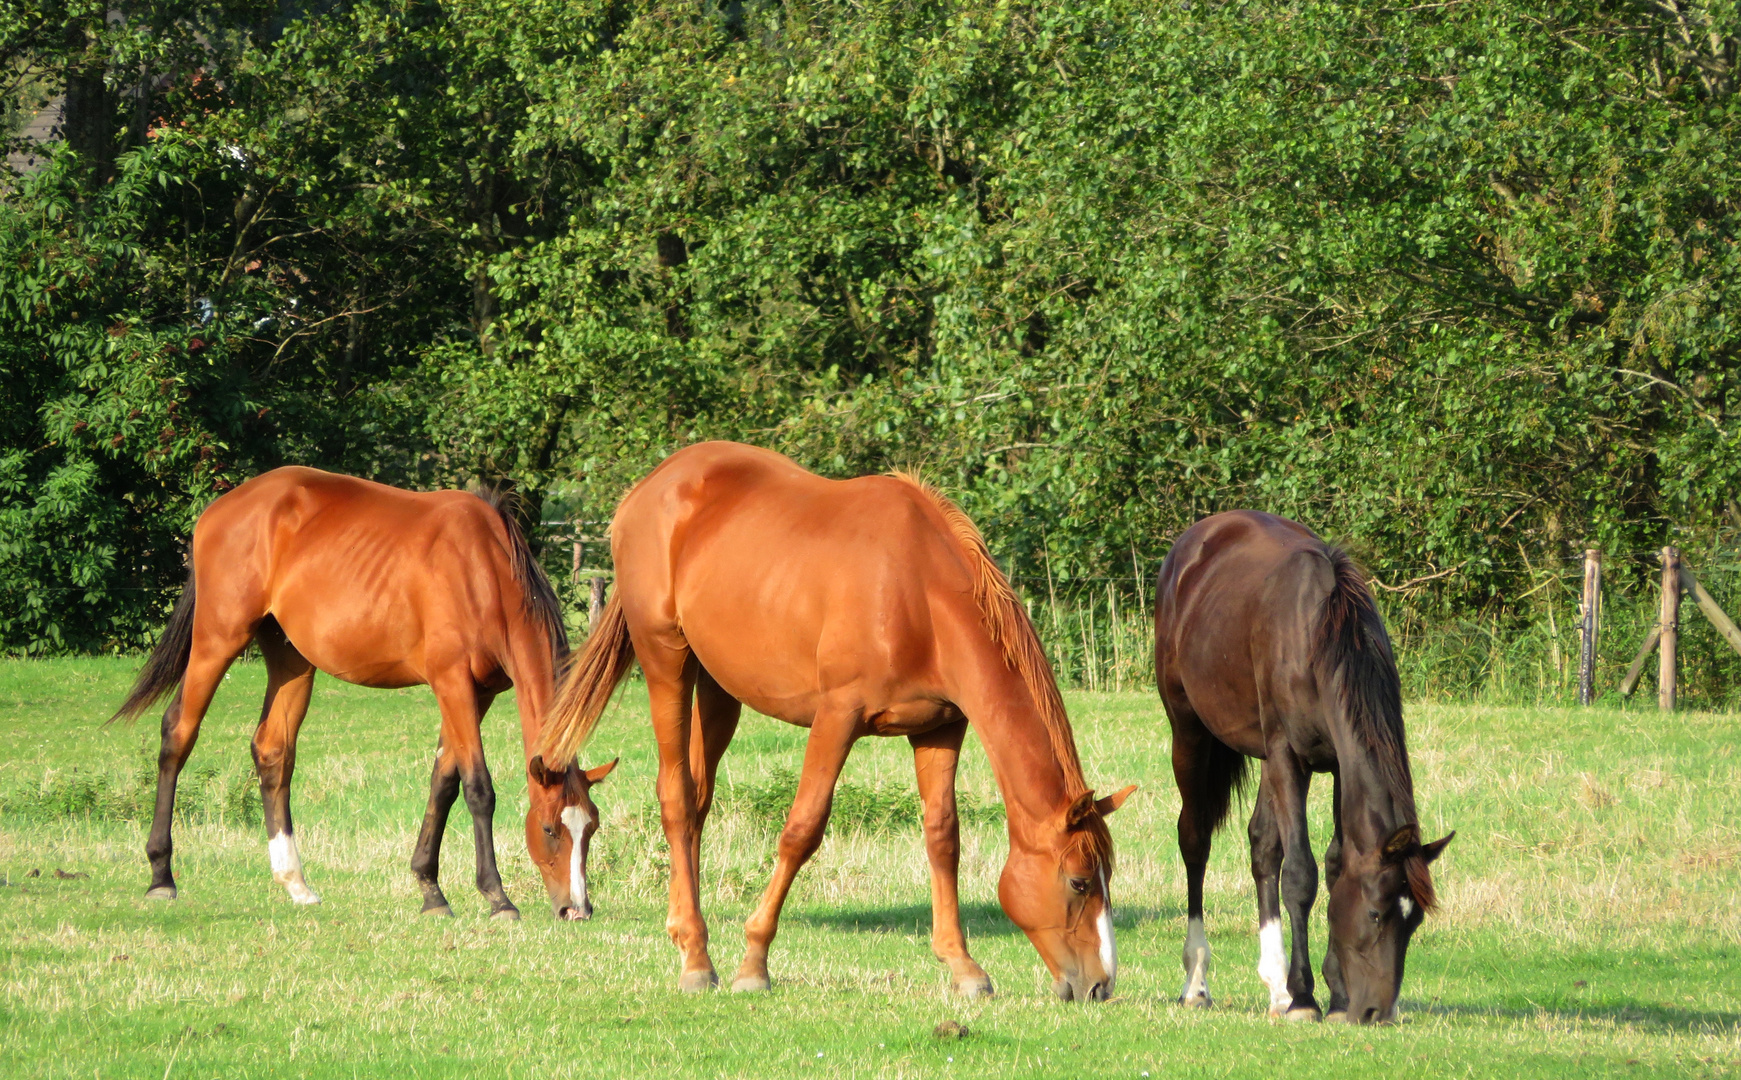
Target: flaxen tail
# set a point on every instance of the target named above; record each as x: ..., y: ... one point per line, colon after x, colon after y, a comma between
x: 168, y: 660
x: 587, y: 688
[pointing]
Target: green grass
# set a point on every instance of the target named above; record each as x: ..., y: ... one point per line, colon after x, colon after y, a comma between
x: 1591, y: 920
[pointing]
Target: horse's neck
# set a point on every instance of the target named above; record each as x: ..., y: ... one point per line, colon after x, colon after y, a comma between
x: 1371, y: 809
x: 1029, y: 775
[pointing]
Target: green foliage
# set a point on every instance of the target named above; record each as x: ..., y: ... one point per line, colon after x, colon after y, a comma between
x: 1451, y: 283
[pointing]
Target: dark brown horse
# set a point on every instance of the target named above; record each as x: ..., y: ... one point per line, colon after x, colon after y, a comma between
x: 852, y: 608
x: 1267, y: 645
x: 385, y: 588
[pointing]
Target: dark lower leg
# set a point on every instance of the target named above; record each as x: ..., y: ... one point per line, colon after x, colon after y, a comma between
x: 1332, y: 871
x: 1299, y: 874
x: 177, y: 744
x: 426, y: 856
x: 480, y: 799
x: 1266, y: 868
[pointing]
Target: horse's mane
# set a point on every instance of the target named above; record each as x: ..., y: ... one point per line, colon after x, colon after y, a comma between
x: 535, y: 589
x: 1007, y: 622
x: 1355, y: 659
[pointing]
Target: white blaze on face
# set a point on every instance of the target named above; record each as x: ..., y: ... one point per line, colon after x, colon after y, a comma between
x: 1272, y: 966
x: 1196, y: 962
x: 1103, y: 925
x: 576, y: 819
x: 287, y: 868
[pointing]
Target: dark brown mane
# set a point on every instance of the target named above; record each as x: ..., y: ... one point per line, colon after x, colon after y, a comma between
x: 535, y: 589
x: 1356, y: 659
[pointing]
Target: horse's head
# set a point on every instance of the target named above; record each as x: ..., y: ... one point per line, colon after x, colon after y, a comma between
x: 1058, y: 891
x: 559, y: 825
x: 1375, y: 907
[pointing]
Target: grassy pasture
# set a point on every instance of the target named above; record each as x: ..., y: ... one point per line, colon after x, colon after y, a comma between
x: 1591, y: 920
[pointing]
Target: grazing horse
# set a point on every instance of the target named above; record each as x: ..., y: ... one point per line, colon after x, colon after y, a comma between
x: 1267, y: 645
x: 385, y: 588
x: 852, y: 608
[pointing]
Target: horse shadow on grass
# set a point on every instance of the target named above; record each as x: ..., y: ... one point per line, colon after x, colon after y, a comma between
x: 1635, y: 1015
x: 981, y: 919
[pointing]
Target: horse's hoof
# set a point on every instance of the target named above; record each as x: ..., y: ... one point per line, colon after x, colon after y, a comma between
x: 307, y: 897
x: 1196, y: 1001
x: 695, y: 982
x: 974, y: 988
x: 507, y: 914
x: 750, y: 983
x: 160, y: 892
x: 1304, y: 1014
x: 440, y: 911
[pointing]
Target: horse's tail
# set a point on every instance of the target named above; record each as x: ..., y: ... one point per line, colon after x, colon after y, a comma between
x: 168, y: 660
x: 1224, y: 772
x: 586, y: 688
x: 1355, y: 664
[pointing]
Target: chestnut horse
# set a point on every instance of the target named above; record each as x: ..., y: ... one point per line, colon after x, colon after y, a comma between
x: 852, y: 608
x: 385, y: 588
x: 1267, y: 645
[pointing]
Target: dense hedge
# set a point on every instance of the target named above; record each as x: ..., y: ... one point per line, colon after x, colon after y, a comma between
x: 1452, y: 282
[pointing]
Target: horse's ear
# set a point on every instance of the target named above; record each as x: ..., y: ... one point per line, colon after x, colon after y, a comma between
x: 1431, y: 851
x: 1079, y: 810
x: 599, y: 772
x: 536, y: 770
x: 1114, y: 801
x: 1405, y: 841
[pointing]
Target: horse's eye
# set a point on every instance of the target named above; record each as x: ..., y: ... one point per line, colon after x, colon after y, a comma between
x: 1079, y: 886
x: 1376, y: 915
x: 550, y: 831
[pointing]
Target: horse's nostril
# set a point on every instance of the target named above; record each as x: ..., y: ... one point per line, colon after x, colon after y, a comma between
x: 1370, y: 1016
x: 1097, y: 992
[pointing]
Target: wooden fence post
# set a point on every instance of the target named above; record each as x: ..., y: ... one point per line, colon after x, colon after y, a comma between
x: 1591, y: 626
x: 579, y: 549
x: 1708, y: 604
x: 1669, y: 623
x: 598, y: 602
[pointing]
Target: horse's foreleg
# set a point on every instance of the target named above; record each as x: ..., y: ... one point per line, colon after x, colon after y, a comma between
x: 1332, y: 871
x: 1285, y: 783
x: 671, y: 675
x: 831, y: 737
x: 426, y: 856
x: 289, y: 682
x: 1266, y: 871
x: 462, y: 714
x: 935, y: 754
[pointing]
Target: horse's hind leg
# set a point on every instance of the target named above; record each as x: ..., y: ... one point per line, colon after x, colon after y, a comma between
x: 832, y: 733
x: 935, y: 754
x: 1285, y: 783
x: 211, y: 654
x: 462, y: 713
x: 1266, y: 873
x: 289, y: 682
x: 1193, y: 747
x: 716, y: 721
x: 671, y: 671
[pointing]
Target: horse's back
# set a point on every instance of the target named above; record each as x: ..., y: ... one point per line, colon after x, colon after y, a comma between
x: 367, y: 580
x: 1237, y: 609
x: 740, y: 555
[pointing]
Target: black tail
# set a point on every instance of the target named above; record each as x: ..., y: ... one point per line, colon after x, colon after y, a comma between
x: 168, y: 660
x: 1355, y: 662
x: 1225, y: 772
